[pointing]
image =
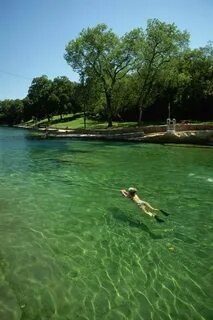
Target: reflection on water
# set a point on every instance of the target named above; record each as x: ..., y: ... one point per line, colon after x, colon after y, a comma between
x: 73, y: 248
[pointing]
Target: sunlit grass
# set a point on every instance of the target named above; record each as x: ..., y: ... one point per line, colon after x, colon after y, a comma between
x: 76, y: 121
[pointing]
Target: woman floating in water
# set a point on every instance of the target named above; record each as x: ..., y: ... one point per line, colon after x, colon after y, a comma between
x: 145, y: 206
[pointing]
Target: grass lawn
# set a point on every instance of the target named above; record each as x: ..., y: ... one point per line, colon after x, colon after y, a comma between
x: 77, y: 122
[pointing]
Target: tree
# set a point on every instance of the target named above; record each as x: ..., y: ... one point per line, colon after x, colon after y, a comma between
x: 194, y: 84
x: 11, y: 111
x: 125, y: 99
x: 99, y: 54
x: 38, y: 95
x: 154, y: 50
x: 63, y: 88
x: 52, y: 105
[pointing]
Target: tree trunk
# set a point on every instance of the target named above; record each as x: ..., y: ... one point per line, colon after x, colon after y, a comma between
x: 140, y: 116
x: 85, y: 118
x: 109, y: 109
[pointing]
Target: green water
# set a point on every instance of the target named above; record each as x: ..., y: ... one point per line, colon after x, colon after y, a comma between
x: 72, y: 248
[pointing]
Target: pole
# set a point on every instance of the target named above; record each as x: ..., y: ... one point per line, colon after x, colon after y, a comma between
x: 169, y: 111
x: 84, y: 104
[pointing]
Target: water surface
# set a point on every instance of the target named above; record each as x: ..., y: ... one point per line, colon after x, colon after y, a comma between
x: 73, y: 248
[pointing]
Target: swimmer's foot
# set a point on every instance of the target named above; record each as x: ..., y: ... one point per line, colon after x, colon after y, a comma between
x: 158, y: 219
x: 164, y: 212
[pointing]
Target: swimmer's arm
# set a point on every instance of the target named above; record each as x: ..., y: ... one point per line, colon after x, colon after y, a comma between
x: 124, y: 193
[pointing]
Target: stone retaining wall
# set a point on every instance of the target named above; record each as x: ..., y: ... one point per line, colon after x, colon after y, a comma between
x: 178, y: 127
x: 143, y: 129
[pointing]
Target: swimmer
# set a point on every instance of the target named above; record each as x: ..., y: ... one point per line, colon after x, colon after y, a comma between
x: 145, y: 206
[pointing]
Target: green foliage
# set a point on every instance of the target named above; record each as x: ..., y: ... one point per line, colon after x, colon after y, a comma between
x: 101, y: 55
x: 193, y: 85
x: 157, y: 46
x: 38, y: 95
x: 63, y: 89
x: 11, y: 111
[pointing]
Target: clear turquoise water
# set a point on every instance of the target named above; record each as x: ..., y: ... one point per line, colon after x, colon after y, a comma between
x: 72, y: 248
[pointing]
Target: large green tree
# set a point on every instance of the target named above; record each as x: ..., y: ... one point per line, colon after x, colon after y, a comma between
x: 11, y: 111
x: 63, y: 89
x: 38, y: 95
x: 196, y: 95
x: 154, y: 50
x: 100, y: 54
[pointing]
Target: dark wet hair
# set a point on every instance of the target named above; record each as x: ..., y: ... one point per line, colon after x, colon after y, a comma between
x: 132, y: 191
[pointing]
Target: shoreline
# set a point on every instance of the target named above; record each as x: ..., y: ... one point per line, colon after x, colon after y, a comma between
x: 202, y: 137
x: 159, y: 134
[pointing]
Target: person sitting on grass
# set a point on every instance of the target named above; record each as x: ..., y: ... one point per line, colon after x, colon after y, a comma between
x: 145, y: 206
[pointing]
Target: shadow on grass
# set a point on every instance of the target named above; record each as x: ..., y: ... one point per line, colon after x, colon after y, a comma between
x: 67, y: 119
x: 46, y: 123
x: 132, y: 221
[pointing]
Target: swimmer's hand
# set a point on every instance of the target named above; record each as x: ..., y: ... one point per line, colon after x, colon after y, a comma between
x: 124, y: 193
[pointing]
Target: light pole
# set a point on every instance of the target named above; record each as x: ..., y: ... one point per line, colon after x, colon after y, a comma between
x: 170, y: 123
x: 169, y: 111
x: 84, y: 104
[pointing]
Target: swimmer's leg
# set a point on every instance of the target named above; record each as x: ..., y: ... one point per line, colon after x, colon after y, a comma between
x: 149, y: 206
x: 143, y: 207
